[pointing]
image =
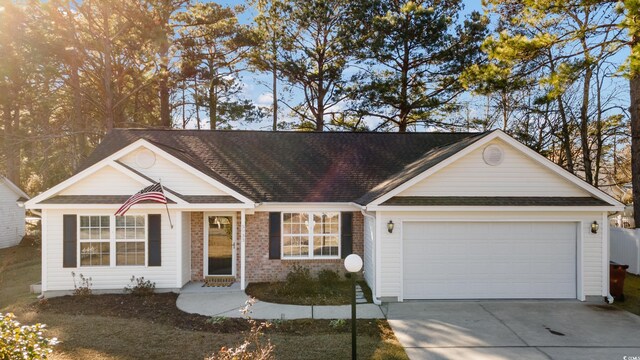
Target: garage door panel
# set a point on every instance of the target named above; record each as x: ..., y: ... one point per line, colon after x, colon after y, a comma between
x: 489, y: 260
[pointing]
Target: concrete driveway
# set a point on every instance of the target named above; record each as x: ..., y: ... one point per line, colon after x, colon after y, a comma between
x: 515, y: 330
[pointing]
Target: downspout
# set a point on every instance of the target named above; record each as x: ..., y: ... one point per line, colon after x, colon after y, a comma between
x: 372, y: 217
x: 607, y: 256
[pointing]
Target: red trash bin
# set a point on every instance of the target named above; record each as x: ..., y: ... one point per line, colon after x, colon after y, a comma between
x: 617, y: 273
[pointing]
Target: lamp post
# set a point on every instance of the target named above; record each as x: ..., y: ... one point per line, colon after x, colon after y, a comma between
x: 353, y: 264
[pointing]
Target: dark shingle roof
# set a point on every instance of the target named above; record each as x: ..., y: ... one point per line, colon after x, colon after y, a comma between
x: 299, y: 166
x: 492, y: 201
x: 93, y: 199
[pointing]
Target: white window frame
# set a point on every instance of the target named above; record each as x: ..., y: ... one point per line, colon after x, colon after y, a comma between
x: 112, y: 243
x: 310, y: 236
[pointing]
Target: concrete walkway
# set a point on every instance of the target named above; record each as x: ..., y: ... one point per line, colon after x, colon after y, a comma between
x: 227, y: 302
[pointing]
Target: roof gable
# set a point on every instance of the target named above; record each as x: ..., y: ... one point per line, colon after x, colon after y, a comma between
x: 516, y: 175
x: 465, y: 174
x: 13, y: 187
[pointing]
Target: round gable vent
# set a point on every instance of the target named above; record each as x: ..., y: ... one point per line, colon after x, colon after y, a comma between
x: 145, y: 158
x: 493, y: 155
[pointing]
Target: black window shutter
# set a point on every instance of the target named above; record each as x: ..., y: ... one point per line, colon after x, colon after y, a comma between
x: 346, y: 238
x: 69, y: 241
x: 274, y: 235
x: 155, y: 240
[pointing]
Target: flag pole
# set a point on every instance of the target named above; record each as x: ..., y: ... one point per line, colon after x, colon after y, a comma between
x: 165, y: 205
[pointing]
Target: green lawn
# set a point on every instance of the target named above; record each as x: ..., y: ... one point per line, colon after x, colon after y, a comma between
x: 94, y: 331
x: 631, y: 302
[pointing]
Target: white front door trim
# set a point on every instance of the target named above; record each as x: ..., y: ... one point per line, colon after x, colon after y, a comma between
x: 205, y: 232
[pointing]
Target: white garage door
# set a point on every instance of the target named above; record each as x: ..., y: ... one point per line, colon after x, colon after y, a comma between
x: 480, y: 260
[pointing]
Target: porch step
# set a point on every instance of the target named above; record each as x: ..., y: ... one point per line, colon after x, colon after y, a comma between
x: 218, y: 281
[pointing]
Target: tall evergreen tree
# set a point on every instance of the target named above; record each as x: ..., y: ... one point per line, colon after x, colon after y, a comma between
x: 412, y: 54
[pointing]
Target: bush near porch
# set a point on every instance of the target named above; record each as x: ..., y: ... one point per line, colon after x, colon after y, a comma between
x: 300, y: 288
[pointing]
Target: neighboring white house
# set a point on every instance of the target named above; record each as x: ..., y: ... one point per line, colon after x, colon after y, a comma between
x: 12, y: 221
x: 435, y: 216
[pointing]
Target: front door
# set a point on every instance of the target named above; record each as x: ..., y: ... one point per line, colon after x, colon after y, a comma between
x: 219, y: 243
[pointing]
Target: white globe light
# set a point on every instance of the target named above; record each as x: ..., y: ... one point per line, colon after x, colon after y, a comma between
x: 353, y: 263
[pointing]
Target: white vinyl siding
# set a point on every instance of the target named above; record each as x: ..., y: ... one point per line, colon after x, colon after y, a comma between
x: 591, y: 263
x: 489, y: 260
x: 172, y: 176
x: 106, y: 181
x: 109, y: 277
x: 12, y: 223
x: 517, y: 175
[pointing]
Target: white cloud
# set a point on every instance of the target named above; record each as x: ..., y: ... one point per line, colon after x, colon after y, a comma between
x: 265, y: 99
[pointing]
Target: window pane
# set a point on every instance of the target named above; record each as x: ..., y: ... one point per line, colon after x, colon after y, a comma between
x: 104, y: 233
x: 130, y: 253
x: 119, y: 221
x: 95, y: 221
x: 325, y: 245
x: 130, y: 221
x: 84, y: 234
x: 139, y: 220
x: 94, y: 254
x: 95, y: 234
x: 104, y: 221
x: 140, y: 234
x: 84, y: 221
x: 120, y: 233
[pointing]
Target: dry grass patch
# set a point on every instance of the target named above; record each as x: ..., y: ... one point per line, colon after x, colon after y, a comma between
x: 631, y: 301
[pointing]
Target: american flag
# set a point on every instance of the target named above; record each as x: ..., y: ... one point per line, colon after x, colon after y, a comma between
x: 152, y: 193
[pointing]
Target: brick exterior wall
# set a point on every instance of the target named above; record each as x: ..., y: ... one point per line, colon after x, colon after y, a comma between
x: 261, y: 269
x: 197, y: 246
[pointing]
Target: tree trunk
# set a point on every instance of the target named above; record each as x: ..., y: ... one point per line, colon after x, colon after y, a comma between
x: 566, y: 136
x: 274, y: 74
x: 165, y: 111
x: 11, y: 146
x: 195, y: 100
x: 275, y: 98
x: 108, y: 72
x: 584, y: 126
x: 78, y: 118
x: 213, y: 105
x: 634, y: 110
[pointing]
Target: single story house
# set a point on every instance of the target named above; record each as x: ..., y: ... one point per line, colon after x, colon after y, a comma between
x: 12, y: 221
x: 434, y: 215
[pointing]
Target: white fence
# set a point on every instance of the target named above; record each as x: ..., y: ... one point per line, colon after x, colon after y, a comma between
x: 625, y: 248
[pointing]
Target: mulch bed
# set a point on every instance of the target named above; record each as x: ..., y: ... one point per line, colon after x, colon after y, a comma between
x: 161, y: 308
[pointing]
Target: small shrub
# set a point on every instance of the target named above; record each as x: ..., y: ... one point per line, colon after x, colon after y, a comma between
x: 328, y: 277
x: 299, y: 281
x: 84, y: 287
x: 140, y: 287
x: 215, y: 320
x: 23, y: 341
x: 337, y: 323
x: 254, y: 347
